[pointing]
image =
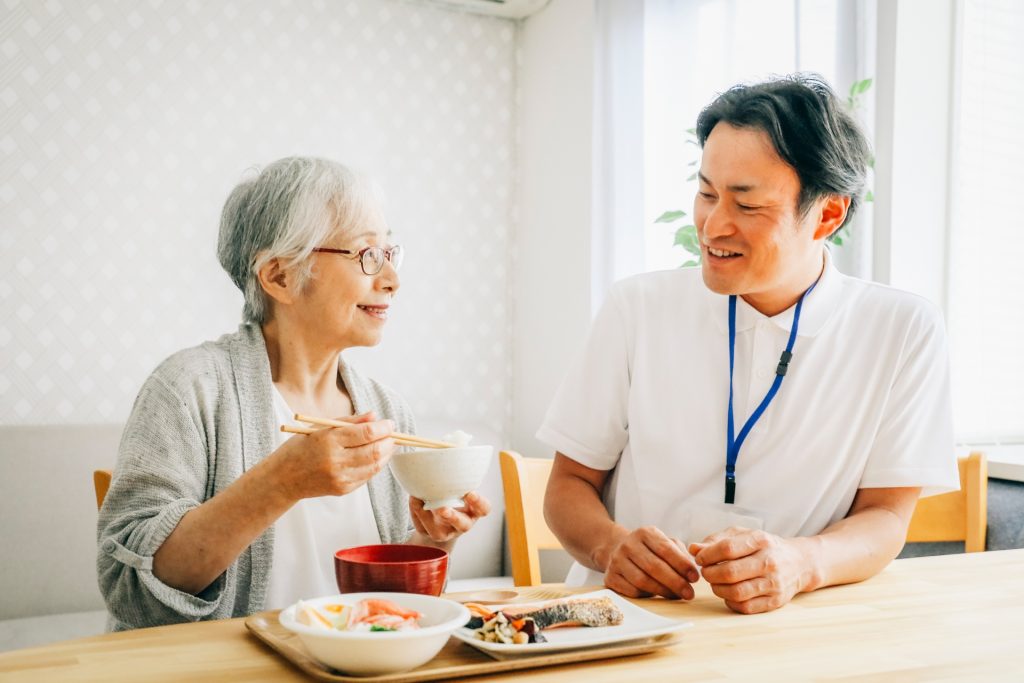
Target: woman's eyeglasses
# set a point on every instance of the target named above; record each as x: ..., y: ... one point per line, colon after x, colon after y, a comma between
x: 371, y: 259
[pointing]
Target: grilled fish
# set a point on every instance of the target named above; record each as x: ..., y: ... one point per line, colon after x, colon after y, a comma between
x: 569, y: 612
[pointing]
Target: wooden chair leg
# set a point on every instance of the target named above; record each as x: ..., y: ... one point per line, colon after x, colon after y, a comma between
x: 977, y: 503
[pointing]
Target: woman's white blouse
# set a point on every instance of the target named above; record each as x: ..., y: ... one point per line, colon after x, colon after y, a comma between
x: 307, y: 536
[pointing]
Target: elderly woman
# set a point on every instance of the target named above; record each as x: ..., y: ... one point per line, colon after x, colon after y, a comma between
x: 213, y: 512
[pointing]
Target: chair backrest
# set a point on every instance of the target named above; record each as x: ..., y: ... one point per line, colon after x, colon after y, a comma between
x: 957, y: 516
x: 524, y: 481
x: 101, y: 482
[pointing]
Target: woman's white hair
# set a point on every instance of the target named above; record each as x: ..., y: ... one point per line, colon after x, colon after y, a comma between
x: 285, y: 211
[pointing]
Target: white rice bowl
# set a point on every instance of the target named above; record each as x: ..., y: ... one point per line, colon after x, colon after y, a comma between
x: 440, y: 477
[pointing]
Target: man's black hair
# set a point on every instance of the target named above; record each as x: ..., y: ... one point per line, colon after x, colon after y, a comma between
x: 809, y: 128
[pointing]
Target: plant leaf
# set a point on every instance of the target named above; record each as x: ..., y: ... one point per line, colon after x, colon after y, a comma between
x: 686, y: 237
x: 690, y: 264
x: 682, y: 237
x: 670, y: 216
x: 693, y: 176
x: 839, y: 236
x: 870, y: 196
x: 691, y: 131
x: 859, y: 88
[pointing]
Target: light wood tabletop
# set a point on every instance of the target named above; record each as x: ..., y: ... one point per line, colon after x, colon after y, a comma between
x: 949, y: 618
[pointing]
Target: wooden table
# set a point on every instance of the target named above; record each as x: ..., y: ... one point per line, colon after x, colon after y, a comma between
x: 955, y: 617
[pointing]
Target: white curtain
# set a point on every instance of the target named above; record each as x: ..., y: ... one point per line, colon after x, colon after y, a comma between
x: 618, y: 206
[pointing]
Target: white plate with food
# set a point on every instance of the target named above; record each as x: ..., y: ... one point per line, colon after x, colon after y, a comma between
x: 579, y: 621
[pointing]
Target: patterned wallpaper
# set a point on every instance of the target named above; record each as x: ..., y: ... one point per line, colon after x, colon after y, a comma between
x: 125, y: 124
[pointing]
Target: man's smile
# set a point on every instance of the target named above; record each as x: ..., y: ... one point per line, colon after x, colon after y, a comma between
x: 722, y: 253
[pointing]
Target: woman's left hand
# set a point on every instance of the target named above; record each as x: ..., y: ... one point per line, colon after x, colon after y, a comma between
x: 444, y: 525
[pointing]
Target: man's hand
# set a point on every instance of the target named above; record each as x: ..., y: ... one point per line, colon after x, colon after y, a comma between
x: 753, y: 571
x: 646, y: 562
x: 444, y: 525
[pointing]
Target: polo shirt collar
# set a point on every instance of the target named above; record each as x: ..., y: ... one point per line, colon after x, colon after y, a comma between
x: 818, y: 306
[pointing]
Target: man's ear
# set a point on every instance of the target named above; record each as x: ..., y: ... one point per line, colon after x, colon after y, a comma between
x: 276, y: 281
x: 832, y: 215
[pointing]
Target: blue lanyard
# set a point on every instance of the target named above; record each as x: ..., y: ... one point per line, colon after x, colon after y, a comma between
x: 734, y: 443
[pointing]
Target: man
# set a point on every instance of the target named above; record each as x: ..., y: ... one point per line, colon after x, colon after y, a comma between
x: 769, y: 423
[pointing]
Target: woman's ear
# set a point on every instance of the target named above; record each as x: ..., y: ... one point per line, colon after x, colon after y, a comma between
x: 276, y: 281
x: 833, y: 213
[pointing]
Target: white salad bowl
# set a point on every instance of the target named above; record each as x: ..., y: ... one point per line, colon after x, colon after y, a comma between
x: 440, y: 477
x: 376, y: 653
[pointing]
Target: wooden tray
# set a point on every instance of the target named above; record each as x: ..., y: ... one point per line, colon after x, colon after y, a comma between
x: 455, y: 660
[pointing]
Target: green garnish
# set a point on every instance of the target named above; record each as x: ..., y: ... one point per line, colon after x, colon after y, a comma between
x: 375, y: 627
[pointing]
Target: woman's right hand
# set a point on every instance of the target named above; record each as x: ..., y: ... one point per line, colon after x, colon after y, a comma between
x: 335, y: 460
x: 332, y: 461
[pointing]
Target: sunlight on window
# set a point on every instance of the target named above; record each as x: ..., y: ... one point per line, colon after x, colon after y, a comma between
x: 986, y: 282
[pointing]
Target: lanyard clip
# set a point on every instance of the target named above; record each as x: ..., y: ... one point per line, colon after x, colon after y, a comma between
x: 783, y: 363
x: 730, y: 487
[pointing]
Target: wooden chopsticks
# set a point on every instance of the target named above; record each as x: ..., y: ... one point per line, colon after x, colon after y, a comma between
x: 399, y: 438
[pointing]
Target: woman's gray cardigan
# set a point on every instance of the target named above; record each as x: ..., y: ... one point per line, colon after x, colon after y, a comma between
x: 203, y: 418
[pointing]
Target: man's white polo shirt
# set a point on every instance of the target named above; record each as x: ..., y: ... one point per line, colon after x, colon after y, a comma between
x: 865, y: 402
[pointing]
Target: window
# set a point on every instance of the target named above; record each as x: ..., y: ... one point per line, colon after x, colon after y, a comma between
x: 694, y: 50
x: 986, y: 281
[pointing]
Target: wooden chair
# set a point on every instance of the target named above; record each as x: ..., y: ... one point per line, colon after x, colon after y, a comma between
x: 958, y: 516
x: 524, y: 481
x: 101, y: 482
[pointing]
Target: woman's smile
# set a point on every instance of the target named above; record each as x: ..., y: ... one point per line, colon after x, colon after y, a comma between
x: 380, y: 312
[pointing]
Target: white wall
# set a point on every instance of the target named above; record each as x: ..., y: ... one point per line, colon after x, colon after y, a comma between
x: 124, y: 126
x: 127, y: 123
x: 551, y: 274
